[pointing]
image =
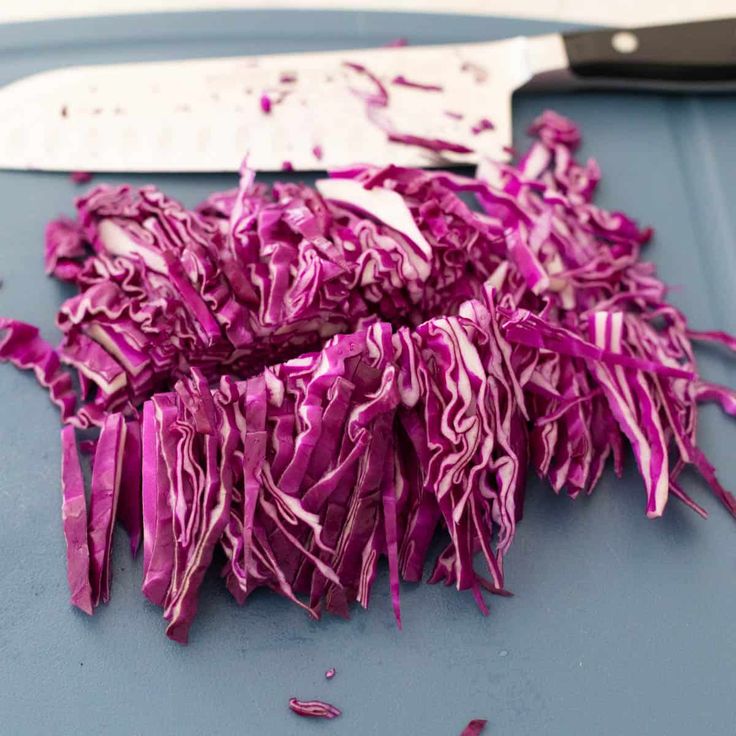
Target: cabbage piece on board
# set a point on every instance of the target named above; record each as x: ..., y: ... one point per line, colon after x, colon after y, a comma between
x: 129, y: 502
x: 74, y: 518
x: 106, y: 473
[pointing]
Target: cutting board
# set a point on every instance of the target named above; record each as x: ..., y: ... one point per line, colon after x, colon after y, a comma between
x: 619, y: 625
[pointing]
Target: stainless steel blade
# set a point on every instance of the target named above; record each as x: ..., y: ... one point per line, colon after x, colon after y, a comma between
x: 206, y: 115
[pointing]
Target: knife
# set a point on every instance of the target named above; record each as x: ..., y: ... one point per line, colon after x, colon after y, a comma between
x: 412, y: 106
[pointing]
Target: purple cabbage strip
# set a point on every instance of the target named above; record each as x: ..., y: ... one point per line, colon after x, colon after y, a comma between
x: 437, y: 145
x: 401, y: 81
x: 106, y: 473
x: 158, y: 455
x: 74, y: 517
x: 130, y: 513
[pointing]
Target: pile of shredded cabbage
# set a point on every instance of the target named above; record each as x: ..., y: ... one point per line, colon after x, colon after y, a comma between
x: 309, y: 380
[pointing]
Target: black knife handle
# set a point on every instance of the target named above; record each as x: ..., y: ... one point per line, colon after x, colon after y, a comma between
x: 701, y: 52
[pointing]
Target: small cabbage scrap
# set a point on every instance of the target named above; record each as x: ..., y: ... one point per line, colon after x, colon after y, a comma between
x: 474, y: 728
x: 314, y: 708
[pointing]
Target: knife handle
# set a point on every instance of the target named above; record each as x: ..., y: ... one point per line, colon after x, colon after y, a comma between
x: 694, y: 55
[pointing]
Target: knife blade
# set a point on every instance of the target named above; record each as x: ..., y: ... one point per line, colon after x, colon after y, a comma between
x: 412, y: 106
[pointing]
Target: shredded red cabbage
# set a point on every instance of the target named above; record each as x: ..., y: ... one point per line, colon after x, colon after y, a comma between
x: 312, y: 379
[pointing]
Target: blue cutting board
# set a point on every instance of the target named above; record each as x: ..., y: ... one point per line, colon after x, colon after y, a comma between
x: 619, y: 626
